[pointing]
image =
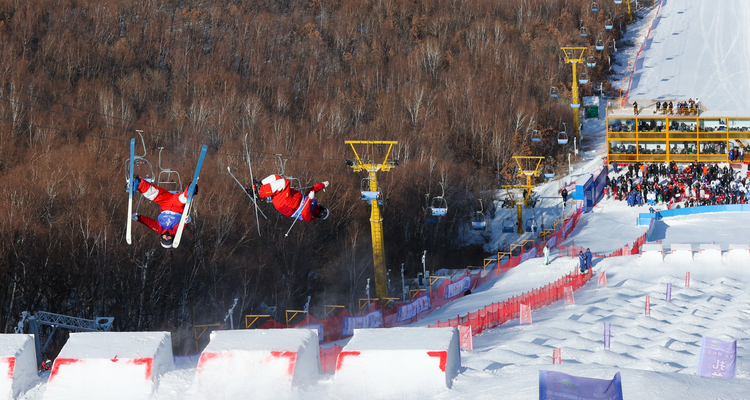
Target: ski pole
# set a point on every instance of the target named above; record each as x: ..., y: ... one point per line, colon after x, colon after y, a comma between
x: 299, y: 210
x: 248, y: 195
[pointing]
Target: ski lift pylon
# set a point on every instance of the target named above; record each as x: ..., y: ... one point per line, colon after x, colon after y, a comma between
x: 554, y: 92
x: 536, y: 136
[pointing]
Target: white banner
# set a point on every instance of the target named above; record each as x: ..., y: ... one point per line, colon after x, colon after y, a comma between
x: 411, y: 310
x: 457, y: 287
x: 371, y: 320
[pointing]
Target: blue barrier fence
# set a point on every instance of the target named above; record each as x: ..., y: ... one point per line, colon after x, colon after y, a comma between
x: 645, y: 218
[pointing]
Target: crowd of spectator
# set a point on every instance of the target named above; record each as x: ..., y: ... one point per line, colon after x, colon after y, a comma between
x: 696, y: 184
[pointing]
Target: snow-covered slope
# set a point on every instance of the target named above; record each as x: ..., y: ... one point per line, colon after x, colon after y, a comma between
x: 698, y: 49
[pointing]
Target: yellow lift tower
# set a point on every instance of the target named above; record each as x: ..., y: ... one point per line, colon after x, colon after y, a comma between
x: 528, y: 166
x: 574, y: 55
x: 365, y: 161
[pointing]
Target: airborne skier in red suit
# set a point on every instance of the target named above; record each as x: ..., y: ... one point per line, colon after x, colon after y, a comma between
x: 172, y: 205
x: 291, y: 202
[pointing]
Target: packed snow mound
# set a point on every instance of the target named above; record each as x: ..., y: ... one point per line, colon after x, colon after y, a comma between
x: 110, y: 365
x: 17, y: 365
x: 267, y: 364
x: 397, y: 363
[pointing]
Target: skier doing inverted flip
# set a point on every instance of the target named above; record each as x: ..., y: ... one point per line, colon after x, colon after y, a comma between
x: 291, y: 202
x: 172, y: 205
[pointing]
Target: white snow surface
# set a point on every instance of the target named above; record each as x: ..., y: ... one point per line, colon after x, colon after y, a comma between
x: 698, y: 48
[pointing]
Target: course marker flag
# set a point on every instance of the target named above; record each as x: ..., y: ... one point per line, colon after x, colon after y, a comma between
x: 648, y: 305
x: 718, y: 358
x: 568, y: 295
x: 525, y: 314
x: 464, y: 333
x: 687, y: 279
x: 556, y: 385
x: 669, y: 292
x: 556, y: 356
x: 602, y: 279
x: 607, y: 328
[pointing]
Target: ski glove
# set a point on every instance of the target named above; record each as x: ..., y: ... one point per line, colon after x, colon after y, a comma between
x: 325, y: 184
x: 311, y: 195
x: 135, y: 217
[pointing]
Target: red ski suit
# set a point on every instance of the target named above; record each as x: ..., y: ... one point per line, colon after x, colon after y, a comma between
x: 288, y: 201
x: 172, y: 206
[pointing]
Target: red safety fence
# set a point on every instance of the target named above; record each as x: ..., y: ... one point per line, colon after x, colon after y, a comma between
x: 439, y: 293
x: 498, y: 313
x: 572, y: 250
x: 328, y: 357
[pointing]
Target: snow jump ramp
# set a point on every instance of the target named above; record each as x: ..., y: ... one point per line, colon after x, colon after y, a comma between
x: 710, y: 254
x: 110, y: 365
x: 739, y: 255
x: 397, y: 363
x: 261, y: 363
x: 652, y: 254
x: 17, y: 365
x: 681, y: 254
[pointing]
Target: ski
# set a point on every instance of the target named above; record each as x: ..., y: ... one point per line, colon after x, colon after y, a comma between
x: 191, y: 191
x: 252, y: 182
x: 229, y: 169
x: 131, y: 189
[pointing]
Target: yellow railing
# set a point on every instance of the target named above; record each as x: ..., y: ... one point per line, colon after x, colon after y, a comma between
x: 255, y: 318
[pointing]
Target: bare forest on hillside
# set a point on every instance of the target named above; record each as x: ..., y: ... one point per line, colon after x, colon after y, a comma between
x: 460, y: 84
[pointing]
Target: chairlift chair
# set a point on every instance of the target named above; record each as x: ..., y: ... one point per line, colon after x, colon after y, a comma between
x: 618, y: 1
x: 295, y: 183
x: 609, y: 24
x: 590, y: 61
x: 600, y: 42
x: 549, y: 172
x: 166, y: 173
x: 439, y: 206
x: 536, y: 136
x: 508, y: 225
x: 531, y: 225
x: 479, y: 222
x: 367, y: 193
x: 554, y: 92
x: 141, y: 160
x: 562, y: 136
x: 594, y: 6
x: 583, y: 78
x: 583, y: 31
